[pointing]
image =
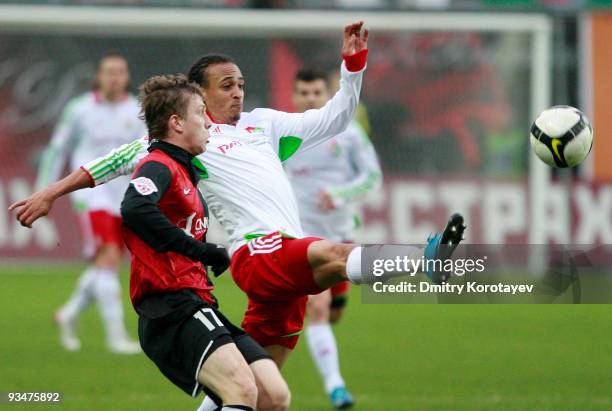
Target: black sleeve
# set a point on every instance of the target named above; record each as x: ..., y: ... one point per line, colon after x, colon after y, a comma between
x: 141, y: 214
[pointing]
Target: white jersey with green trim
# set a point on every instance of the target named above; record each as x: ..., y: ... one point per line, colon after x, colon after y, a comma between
x: 243, y: 182
x: 88, y: 128
x: 346, y: 167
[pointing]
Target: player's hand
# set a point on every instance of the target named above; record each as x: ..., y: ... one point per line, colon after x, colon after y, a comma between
x: 216, y: 257
x: 355, y: 40
x: 34, y: 207
x: 325, y: 202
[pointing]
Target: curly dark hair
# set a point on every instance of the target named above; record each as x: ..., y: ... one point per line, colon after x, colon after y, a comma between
x: 162, y: 97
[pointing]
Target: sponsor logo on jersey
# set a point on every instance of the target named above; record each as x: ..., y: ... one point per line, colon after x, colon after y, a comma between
x: 252, y: 129
x: 194, y: 227
x: 216, y: 130
x: 186, y: 191
x: 224, y: 148
x: 144, y: 185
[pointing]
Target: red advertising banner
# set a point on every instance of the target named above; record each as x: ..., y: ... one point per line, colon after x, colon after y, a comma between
x: 407, y: 210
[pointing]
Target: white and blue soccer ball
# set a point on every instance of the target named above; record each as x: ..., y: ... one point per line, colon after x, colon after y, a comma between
x: 562, y: 136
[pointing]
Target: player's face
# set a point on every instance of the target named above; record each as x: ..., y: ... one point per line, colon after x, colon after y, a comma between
x: 225, y: 92
x: 195, y: 126
x: 113, y: 77
x: 310, y: 94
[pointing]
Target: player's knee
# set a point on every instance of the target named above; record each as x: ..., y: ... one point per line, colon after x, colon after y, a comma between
x: 108, y: 256
x: 235, y: 383
x: 318, y: 313
x: 248, y: 393
x: 276, y: 398
x: 243, y: 387
x: 318, y: 309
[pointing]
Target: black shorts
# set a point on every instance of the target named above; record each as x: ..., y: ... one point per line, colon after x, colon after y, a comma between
x: 179, y: 330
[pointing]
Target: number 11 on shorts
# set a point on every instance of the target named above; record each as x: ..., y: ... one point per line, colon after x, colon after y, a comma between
x: 202, y: 316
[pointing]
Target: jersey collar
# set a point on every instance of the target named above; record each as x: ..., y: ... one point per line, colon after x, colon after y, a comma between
x: 179, y: 155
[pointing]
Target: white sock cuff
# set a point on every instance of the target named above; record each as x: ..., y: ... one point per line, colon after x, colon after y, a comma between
x: 208, y: 405
x: 353, y: 266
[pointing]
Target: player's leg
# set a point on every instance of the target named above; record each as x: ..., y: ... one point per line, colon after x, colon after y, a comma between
x: 227, y: 374
x: 107, y: 287
x: 339, y: 293
x: 67, y: 316
x: 323, y: 349
x: 273, y: 392
x: 332, y: 263
x: 192, y: 345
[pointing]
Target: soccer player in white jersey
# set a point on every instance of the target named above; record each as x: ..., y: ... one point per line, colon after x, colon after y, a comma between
x: 91, y: 125
x: 327, y: 180
x: 250, y: 195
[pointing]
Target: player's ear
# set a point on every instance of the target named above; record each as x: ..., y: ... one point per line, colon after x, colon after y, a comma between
x: 175, y: 123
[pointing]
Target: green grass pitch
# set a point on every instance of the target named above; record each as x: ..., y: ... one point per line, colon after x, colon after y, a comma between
x: 394, y: 357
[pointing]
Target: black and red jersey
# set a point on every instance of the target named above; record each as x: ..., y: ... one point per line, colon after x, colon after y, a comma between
x: 165, y: 221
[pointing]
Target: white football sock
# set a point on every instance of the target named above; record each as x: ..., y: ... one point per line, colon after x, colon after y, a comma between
x: 353, y: 266
x: 208, y: 405
x: 353, y: 262
x: 82, y: 296
x: 108, y: 295
x: 324, y: 352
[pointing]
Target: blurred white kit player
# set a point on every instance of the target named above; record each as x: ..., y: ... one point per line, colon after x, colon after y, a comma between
x: 330, y: 179
x: 91, y: 125
x: 327, y: 181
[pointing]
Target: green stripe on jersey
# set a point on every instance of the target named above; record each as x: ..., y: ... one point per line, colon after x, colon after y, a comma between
x: 359, y: 189
x: 252, y: 236
x: 125, y: 157
x: 121, y: 154
x: 287, y: 146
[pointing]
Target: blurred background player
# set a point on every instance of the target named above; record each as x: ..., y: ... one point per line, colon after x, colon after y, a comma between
x: 327, y: 180
x: 91, y: 125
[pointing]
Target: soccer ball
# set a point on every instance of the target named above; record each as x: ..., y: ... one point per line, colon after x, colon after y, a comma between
x: 562, y: 136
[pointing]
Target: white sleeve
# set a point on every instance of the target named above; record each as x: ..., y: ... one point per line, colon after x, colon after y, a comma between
x: 119, y: 162
x: 367, y: 176
x: 293, y: 131
x: 54, y: 157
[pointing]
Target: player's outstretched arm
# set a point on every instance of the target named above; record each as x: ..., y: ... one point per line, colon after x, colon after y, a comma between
x: 40, y: 203
x: 304, y: 130
x: 121, y: 161
x: 367, y: 174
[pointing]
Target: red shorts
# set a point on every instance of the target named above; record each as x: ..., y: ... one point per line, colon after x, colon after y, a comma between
x: 275, y: 274
x: 100, y: 228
